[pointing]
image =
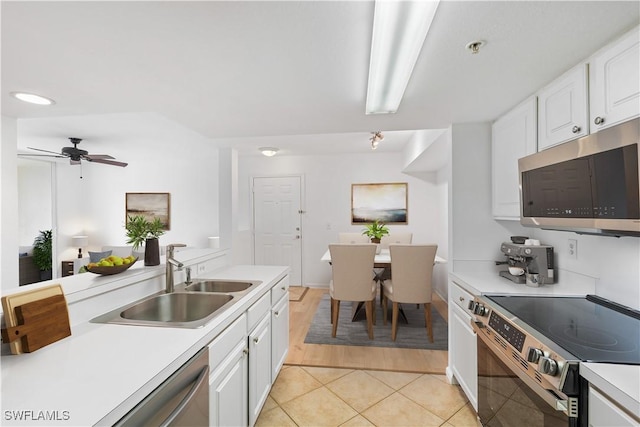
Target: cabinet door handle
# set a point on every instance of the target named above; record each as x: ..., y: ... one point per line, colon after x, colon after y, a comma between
x: 276, y: 313
x: 599, y: 120
x: 256, y: 340
x: 245, y: 351
x: 284, y: 288
x: 461, y: 299
x: 575, y: 129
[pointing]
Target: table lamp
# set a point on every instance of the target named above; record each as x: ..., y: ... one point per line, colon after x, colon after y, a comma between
x: 80, y: 242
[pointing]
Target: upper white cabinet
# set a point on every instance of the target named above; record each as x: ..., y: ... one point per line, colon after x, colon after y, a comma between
x: 512, y: 136
x: 615, y: 82
x: 563, y: 112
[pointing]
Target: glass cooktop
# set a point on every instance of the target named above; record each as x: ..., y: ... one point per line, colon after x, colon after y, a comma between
x: 591, y: 328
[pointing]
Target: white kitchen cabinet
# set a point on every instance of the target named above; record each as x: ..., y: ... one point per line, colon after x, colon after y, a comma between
x: 603, y: 412
x: 512, y: 136
x: 463, y: 360
x: 279, y: 335
x: 615, y: 82
x: 563, y: 111
x: 228, y: 378
x: 259, y: 366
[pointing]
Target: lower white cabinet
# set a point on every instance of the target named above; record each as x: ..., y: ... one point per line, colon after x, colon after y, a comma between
x: 228, y: 378
x: 606, y: 413
x: 463, y: 351
x: 228, y: 400
x: 279, y: 335
x: 259, y: 366
x: 243, y: 365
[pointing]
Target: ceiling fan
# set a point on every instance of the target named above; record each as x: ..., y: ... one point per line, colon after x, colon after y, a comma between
x: 76, y: 154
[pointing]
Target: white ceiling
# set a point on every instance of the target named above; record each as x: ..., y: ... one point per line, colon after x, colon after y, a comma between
x: 290, y: 74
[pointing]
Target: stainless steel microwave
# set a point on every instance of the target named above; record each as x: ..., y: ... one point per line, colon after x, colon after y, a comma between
x: 589, y: 185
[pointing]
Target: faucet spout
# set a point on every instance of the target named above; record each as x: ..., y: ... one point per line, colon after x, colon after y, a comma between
x: 171, y: 262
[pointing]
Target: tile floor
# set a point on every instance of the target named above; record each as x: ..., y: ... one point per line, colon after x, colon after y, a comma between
x: 314, y: 396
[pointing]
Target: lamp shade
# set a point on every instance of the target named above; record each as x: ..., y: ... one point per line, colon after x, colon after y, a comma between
x: 80, y: 241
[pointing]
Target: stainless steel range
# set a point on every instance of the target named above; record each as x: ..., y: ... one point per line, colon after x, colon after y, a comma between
x: 529, y: 352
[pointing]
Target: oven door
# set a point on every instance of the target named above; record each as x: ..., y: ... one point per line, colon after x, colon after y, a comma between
x: 505, y: 399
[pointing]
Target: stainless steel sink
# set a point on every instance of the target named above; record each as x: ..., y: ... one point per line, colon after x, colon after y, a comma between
x: 218, y: 286
x: 175, y: 310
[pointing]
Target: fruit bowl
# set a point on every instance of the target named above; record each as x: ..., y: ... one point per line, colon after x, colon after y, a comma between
x: 106, y: 271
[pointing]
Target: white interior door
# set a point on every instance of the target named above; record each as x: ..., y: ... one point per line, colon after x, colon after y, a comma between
x: 276, y: 219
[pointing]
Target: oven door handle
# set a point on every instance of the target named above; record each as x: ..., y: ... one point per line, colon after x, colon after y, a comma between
x: 548, y: 396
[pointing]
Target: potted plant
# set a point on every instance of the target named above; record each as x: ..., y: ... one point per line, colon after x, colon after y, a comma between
x: 140, y: 230
x: 42, y: 253
x: 375, y: 231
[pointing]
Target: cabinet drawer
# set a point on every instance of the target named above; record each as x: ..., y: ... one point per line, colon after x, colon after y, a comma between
x: 256, y: 312
x: 459, y: 296
x: 221, y: 345
x: 279, y: 289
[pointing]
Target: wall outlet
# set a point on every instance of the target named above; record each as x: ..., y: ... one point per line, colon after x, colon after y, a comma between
x: 572, y: 246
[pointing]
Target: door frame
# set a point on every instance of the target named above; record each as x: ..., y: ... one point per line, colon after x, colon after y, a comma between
x: 302, y: 212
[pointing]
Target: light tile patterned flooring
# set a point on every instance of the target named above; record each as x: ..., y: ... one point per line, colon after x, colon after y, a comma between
x: 316, y: 396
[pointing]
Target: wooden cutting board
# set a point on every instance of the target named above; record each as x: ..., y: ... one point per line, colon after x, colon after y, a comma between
x: 35, y: 318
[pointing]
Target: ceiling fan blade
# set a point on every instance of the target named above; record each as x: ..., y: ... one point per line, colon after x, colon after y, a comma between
x: 107, y: 162
x: 98, y: 156
x: 39, y: 155
x: 45, y: 151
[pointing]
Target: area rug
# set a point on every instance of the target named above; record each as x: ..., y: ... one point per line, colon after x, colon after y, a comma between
x: 410, y: 335
x: 296, y: 293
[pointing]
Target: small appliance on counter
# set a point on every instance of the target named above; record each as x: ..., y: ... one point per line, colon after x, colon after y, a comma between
x: 530, y: 263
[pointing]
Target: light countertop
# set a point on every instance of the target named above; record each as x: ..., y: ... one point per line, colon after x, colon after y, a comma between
x: 620, y: 382
x: 86, y: 377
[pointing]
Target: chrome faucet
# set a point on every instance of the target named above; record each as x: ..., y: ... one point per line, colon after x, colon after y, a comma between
x: 188, y: 279
x: 170, y: 263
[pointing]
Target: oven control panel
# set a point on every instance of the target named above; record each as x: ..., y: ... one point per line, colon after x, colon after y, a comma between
x: 512, y: 335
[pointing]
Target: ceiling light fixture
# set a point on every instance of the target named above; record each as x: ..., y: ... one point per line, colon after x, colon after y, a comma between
x: 399, y: 30
x: 474, y: 46
x: 268, y: 151
x: 32, y: 98
x: 375, y: 139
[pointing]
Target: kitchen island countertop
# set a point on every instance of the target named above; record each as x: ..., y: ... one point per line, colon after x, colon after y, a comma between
x: 101, y: 371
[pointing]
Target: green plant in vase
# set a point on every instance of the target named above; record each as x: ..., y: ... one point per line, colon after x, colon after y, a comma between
x: 375, y: 231
x: 42, y: 253
x: 140, y: 230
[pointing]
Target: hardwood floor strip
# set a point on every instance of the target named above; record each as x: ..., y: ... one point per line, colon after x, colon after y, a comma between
x: 353, y: 357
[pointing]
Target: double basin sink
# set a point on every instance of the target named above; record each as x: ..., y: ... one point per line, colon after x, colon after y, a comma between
x: 191, y: 306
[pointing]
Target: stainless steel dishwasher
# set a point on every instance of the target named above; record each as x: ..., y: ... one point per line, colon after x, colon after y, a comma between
x: 182, y: 400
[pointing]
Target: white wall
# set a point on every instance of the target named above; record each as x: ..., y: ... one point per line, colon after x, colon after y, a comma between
x: 8, y: 205
x: 327, y: 181
x: 94, y: 205
x: 475, y: 235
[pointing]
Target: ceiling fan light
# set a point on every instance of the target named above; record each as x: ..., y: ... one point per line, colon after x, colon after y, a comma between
x: 32, y: 98
x: 268, y: 151
x: 399, y: 30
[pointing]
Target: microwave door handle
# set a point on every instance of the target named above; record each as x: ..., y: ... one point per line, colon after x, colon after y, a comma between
x: 187, y: 399
x: 547, y: 395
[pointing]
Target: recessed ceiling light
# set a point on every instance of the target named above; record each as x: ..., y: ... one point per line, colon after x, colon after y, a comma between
x: 475, y: 46
x: 268, y: 151
x: 32, y: 98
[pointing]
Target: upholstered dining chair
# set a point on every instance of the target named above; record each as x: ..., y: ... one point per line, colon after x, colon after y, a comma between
x: 396, y: 239
x: 411, y: 283
x: 391, y: 239
x: 352, y: 280
x: 352, y: 238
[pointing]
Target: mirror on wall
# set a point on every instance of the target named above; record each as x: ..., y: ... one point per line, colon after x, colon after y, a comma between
x: 35, y: 214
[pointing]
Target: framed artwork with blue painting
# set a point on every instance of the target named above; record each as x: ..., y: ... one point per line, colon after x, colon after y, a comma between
x: 385, y: 202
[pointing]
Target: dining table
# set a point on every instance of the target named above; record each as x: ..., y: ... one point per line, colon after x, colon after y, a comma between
x: 381, y: 260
